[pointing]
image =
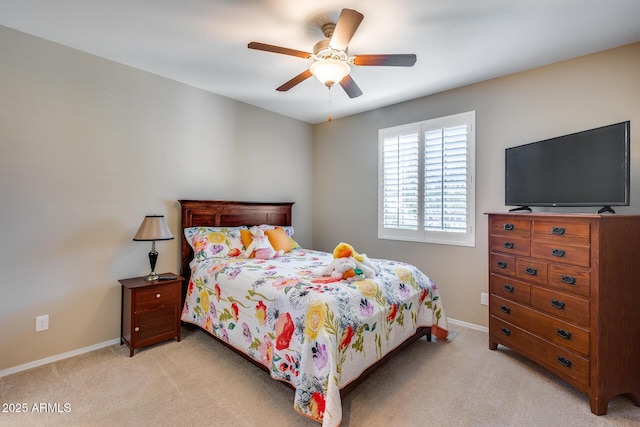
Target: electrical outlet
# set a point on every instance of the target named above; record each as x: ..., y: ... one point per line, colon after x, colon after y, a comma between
x: 42, y: 323
x: 484, y: 298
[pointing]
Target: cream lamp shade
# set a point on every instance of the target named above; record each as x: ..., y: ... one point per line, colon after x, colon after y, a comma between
x: 153, y: 227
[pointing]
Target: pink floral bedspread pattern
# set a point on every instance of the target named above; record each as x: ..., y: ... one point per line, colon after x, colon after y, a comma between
x: 317, y: 336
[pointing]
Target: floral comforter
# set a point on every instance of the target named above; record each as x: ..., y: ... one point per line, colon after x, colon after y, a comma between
x: 316, y: 334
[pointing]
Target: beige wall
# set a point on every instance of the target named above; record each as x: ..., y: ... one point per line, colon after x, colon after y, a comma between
x: 87, y: 148
x: 546, y: 102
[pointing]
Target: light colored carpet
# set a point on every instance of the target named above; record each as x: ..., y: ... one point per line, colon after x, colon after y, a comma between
x: 199, y: 382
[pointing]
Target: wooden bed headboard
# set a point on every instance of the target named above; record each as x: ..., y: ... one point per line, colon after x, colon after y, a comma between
x: 221, y: 213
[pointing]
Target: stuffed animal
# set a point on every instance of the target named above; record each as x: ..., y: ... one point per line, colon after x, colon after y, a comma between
x: 345, y: 250
x: 342, y: 269
x: 260, y: 246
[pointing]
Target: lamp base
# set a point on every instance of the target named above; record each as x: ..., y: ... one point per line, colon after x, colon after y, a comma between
x: 153, y: 257
x: 152, y: 276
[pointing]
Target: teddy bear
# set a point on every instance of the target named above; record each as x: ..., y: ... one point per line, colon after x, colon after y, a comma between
x: 345, y: 250
x: 342, y: 269
x: 260, y: 246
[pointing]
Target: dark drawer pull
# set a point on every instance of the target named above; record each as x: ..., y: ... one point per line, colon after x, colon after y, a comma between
x: 564, y: 362
x: 506, y: 331
x: 508, y: 227
x: 531, y: 271
x: 505, y: 309
x: 564, y: 334
x: 557, y: 252
x: 557, y: 304
x: 509, y: 288
x: 508, y: 245
x: 569, y: 280
x: 502, y: 264
x: 558, y: 231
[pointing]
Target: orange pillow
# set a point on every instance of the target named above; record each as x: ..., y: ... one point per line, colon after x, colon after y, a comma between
x: 294, y: 244
x: 246, y: 237
x: 279, y: 239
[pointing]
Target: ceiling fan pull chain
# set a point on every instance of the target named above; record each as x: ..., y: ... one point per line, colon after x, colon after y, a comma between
x: 329, y: 118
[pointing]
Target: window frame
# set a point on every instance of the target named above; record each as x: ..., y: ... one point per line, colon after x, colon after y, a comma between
x: 419, y: 234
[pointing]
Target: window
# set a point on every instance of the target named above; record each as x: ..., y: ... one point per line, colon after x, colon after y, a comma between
x: 425, y: 181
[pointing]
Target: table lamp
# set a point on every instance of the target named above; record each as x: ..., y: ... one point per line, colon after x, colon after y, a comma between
x: 153, y: 227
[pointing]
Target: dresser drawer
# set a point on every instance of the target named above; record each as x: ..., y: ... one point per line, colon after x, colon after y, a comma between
x: 554, y: 330
x: 568, y: 279
x: 510, y: 289
x: 155, y: 296
x: 510, y: 245
x: 562, y: 362
x: 531, y: 270
x: 502, y: 264
x: 561, y: 253
x: 561, y: 305
x: 513, y: 227
x: 560, y: 231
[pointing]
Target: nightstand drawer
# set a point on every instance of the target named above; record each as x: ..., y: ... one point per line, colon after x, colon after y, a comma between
x: 158, y: 295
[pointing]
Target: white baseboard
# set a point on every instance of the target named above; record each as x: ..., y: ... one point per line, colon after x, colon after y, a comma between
x: 468, y: 325
x: 36, y: 363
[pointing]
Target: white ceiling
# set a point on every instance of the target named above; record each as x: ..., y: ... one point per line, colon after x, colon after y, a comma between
x: 204, y: 42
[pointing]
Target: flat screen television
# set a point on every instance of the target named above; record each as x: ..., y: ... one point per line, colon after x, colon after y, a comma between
x: 588, y: 168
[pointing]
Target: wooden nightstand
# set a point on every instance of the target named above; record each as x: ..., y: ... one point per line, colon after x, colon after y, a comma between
x: 150, y: 311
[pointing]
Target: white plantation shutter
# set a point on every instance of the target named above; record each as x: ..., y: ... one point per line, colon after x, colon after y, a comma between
x: 445, y: 194
x: 426, y: 190
x: 401, y: 180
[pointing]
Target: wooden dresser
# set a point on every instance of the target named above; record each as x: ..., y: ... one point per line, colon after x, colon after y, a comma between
x: 565, y: 292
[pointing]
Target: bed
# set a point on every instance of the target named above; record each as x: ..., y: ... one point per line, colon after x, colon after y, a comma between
x: 318, y: 335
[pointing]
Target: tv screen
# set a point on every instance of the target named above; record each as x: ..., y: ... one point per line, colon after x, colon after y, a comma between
x: 589, y: 168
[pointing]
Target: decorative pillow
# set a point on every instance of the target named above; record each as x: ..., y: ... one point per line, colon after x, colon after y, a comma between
x: 294, y: 244
x: 288, y: 229
x: 214, y: 242
x: 279, y: 239
x: 246, y: 237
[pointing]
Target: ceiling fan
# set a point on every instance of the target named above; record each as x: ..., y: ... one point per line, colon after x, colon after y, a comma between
x: 331, y: 61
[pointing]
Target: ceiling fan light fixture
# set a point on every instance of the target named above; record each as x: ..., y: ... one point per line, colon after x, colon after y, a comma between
x: 330, y: 71
x: 331, y: 62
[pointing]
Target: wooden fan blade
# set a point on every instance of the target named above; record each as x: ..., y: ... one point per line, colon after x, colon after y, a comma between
x: 401, y: 60
x: 348, y: 22
x: 350, y: 86
x: 294, y: 81
x: 278, y: 49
